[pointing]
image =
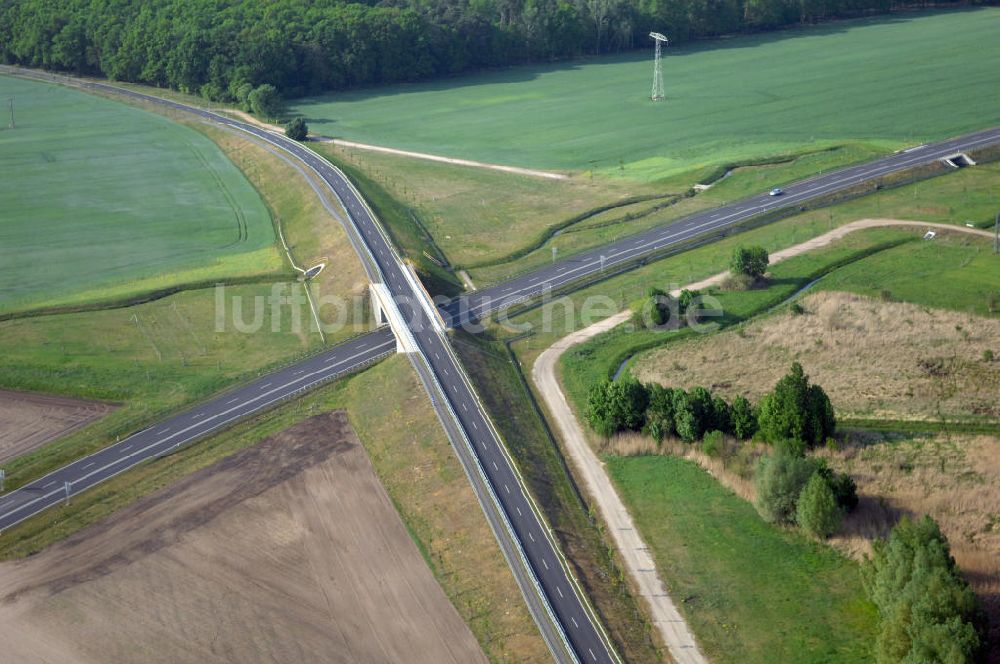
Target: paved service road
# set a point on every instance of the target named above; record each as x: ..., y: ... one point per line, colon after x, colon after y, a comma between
x: 195, y: 423
x: 593, y: 261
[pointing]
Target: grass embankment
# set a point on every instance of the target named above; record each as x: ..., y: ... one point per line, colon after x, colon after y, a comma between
x: 591, y: 556
x: 752, y: 592
x: 103, y: 201
x: 414, y: 462
x: 160, y: 356
x: 742, y: 98
x: 498, y: 224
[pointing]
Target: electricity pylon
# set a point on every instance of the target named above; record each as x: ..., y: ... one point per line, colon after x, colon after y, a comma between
x: 657, y: 94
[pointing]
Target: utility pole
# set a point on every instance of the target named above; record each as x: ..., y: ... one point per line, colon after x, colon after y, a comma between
x: 3, y: 476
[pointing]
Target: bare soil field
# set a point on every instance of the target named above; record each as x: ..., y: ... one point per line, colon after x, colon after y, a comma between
x: 875, y: 359
x: 288, y: 551
x: 30, y: 420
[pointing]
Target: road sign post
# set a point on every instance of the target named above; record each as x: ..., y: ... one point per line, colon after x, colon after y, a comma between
x: 3, y: 476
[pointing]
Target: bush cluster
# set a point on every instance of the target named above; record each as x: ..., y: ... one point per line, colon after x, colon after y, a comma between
x: 928, y: 612
x: 626, y: 404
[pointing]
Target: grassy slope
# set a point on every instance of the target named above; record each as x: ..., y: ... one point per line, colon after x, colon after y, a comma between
x: 752, y: 592
x: 498, y: 224
x: 103, y: 200
x: 414, y: 462
x: 959, y: 273
x: 893, y: 79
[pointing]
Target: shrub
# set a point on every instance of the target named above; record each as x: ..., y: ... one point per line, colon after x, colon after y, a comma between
x: 265, y: 102
x: 779, y: 479
x: 796, y: 410
x: 749, y: 261
x: 297, y: 129
x: 711, y: 444
x: 987, y: 355
x: 928, y: 612
x: 816, y: 511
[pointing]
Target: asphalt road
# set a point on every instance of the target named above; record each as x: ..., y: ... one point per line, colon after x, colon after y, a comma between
x: 193, y: 424
x: 563, y: 598
x: 536, y: 283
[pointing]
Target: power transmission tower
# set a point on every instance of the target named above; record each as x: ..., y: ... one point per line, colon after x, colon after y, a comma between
x: 657, y: 94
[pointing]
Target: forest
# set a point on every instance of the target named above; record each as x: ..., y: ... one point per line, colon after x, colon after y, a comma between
x: 217, y: 47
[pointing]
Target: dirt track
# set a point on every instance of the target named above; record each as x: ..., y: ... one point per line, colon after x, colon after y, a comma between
x: 289, y: 551
x: 30, y: 420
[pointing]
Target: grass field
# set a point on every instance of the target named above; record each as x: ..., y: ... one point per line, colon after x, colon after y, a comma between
x: 751, y: 592
x: 103, y: 201
x: 897, y: 80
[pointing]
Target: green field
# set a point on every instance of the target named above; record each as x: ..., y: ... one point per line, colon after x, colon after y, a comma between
x: 752, y: 592
x: 103, y: 201
x: 894, y: 81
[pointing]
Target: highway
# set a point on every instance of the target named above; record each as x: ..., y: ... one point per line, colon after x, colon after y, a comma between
x: 562, y: 600
x: 629, y: 249
x: 192, y: 424
x: 562, y: 615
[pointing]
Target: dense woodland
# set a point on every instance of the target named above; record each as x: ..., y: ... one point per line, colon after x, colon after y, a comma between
x: 215, y: 47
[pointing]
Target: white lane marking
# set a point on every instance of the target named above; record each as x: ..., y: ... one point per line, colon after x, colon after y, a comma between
x: 518, y: 510
x: 232, y: 401
x: 88, y: 465
x: 575, y: 624
x: 464, y: 407
x: 445, y: 371
x: 495, y: 467
x: 265, y: 386
x: 545, y: 563
x: 474, y: 425
x: 199, y: 416
x: 506, y: 487
x: 592, y: 655
x: 29, y: 503
x: 45, y: 486
x: 164, y: 430
x: 126, y: 448
x: 559, y: 590
x: 531, y: 536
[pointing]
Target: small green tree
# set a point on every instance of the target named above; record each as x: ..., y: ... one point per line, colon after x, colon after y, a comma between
x: 616, y: 405
x: 797, y: 410
x: 744, y: 418
x: 779, y: 478
x: 297, y: 129
x: 817, y: 511
x: 692, y: 413
x: 660, y: 412
x: 265, y: 102
x: 749, y: 262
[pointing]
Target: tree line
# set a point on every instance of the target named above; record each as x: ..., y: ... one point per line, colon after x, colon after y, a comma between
x: 302, y: 47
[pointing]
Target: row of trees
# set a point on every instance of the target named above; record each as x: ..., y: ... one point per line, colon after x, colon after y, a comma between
x: 215, y: 47
x: 796, y: 414
x: 626, y: 404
